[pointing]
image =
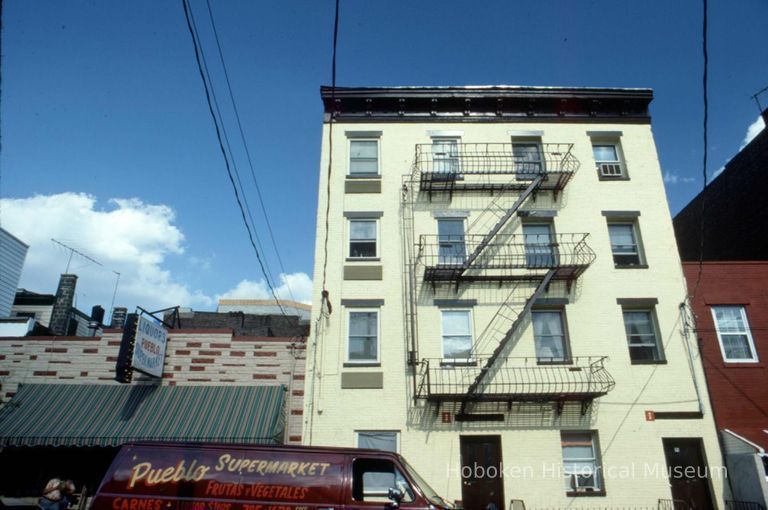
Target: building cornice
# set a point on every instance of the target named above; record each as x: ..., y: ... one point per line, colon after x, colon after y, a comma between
x: 486, y: 104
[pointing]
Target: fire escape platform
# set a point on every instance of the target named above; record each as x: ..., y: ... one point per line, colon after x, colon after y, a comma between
x: 516, y: 380
x: 506, y: 258
x: 491, y: 167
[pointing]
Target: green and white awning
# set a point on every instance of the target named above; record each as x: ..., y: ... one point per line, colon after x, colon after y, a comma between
x: 111, y: 415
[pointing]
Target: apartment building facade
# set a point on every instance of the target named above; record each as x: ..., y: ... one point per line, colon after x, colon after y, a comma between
x: 498, y: 298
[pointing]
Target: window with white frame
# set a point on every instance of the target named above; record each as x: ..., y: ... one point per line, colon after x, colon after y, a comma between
x: 451, y: 248
x: 445, y: 155
x: 549, y: 336
x: 625, y: 244
x: 363, y: 157
x: 733, y: 333
x: 608, y: 160
x: 457, y: 334
x: 642, y: 336
x: 363, y: 344
x: 362, y: 238
x: 581, y: 461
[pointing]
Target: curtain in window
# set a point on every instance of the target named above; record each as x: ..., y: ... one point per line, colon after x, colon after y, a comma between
x: 457, y: 339
x: 362, y: 238
x: 605, y: 153
x: 450, y: 238
x: 445, y: 155
x: 539, y: 248
x: 641, y: 335
x: 549, y: 336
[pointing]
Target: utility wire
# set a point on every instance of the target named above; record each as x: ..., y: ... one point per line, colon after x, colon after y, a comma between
x: 226, y: 142
x: 705, y: 51
x: 198, y: 51
x: 330, y: 147
x: 245, y: 146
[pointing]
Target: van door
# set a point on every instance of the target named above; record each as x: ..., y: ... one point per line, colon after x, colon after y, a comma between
x: 371, y: 480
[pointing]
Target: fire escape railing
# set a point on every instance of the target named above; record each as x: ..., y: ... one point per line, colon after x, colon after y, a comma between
x: 489, y: 166
x: 527, y: 379
x: 506, y: 257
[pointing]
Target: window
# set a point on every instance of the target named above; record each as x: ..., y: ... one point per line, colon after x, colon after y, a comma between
x: 624, y: 243
x: 539, y: 245
x: 608, y: 160
x: 372, y: 479
x: 581, y: 462
x: 642, y: 337
x: 378, y: 440
x: 363, y: 336
x: 549, y: 336
x: 528, y: 160
x: 450, y: 239
x: 445, y: 155
x: 363, y: 157
x: 362, y: 239
x: 457, y: 334
x: 733, y: 333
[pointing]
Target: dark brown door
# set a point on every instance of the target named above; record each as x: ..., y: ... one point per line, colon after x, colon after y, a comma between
x: 481, y: 470
x: 688, y: 472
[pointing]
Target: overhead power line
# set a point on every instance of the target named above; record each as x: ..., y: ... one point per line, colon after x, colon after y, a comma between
x: 208, y: 96
x: 245, y: 146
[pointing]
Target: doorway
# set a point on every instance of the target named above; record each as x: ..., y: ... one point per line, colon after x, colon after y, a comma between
x: 481, y: 472
x: 688, y: 472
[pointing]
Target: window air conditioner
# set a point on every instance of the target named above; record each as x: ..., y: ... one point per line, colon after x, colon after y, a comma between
x: 609, y: 169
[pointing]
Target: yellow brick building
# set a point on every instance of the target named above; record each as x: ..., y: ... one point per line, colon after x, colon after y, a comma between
x: 504, y: 298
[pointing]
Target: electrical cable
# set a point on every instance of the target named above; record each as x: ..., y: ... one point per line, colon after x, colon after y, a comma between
x: 228, y: 146
x: 245, y: 146
x: 702, y: 212
x: 330, y: 150
x: 198, y: 51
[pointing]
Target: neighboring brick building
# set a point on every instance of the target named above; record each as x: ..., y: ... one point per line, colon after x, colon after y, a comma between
x: 194, y: 358
x: 730, y: 303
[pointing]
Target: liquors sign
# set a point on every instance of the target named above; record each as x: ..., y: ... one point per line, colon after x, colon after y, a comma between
x: 149, y: 347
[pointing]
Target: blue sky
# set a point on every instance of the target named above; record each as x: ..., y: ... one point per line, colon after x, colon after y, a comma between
x: 107, y: 143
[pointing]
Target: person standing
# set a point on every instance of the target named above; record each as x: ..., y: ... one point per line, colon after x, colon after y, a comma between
x: 56, y: 495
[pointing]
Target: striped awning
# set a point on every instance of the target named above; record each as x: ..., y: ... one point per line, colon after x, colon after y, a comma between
x: 110, y: 415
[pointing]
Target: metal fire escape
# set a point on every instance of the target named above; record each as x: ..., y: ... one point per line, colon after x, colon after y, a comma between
x: 509, y: 175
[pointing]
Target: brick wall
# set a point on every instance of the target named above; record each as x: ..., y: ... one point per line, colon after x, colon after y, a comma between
x: 738, y: 391
x: 193, y: 357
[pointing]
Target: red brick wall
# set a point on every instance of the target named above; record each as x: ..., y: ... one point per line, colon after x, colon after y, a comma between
x: 739, y: 391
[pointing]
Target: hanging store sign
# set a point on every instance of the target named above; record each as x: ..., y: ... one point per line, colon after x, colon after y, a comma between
x: 149, y: 347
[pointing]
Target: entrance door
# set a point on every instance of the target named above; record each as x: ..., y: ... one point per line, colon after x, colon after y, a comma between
x: 481, y: 468
x: 688, y: 471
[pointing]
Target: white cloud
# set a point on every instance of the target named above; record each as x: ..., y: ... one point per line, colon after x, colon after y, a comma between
x: 674, y: 178
x: 297, y: 284
x: 128, y: 236
x: 752, y: 131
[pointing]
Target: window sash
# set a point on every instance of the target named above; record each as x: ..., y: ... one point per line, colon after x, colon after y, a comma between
x: 363, y: 238
x: 733, y: 333
x: 445, y: 155
x: 605, y: 153
x: 456, y: 334
x: 363, y: 336
x: 363, y: 157
x: 642, y: 338
x: 624, y: 245
x: 580, y: 458
x: 549, y: 335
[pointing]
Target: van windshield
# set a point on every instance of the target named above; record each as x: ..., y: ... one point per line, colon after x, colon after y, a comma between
x: 428, y: 491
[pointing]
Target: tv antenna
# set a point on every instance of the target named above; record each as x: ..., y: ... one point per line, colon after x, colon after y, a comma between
x: 72, y: 251
x: 756, y: 97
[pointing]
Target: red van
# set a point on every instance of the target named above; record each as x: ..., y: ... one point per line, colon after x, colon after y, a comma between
x: 149, y: 476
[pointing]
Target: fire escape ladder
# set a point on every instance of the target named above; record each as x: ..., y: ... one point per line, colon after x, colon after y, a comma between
x: 473, y: 388
x: 503, y: 220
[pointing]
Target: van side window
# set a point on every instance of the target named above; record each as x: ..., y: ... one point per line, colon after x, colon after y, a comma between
x: 372, y: 479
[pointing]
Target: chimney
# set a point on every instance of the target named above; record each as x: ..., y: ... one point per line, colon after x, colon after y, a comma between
x: 765, y: 118
x: 97, y: 314
x: 118, y: 317
x: 65, y: 298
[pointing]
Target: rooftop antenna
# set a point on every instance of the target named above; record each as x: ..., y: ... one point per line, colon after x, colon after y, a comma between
x: 756, y: 97
x: 72, y: 251
x: 117, y: 281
